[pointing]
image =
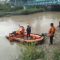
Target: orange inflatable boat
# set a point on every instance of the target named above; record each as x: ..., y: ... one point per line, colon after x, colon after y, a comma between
x: 33, y: 38
x: 21, y: 36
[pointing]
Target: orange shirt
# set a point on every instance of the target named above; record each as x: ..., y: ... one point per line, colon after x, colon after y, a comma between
x: 52, y: 31
x: 21, y: 30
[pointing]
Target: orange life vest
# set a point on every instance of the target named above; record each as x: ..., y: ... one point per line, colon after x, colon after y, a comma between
x: 18, y: 32
x: 21, y: 31
x: 52, y: 31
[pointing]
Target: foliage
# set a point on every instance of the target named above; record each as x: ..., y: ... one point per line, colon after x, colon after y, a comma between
x: 33, y: 53
x: 56, y: 55
x: 5, y: 7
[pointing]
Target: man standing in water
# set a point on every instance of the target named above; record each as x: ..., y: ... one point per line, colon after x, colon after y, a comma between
x: 28, y: 31
x: 51, y: 33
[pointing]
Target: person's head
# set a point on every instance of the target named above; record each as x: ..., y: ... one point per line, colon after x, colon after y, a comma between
x: 51, y: 24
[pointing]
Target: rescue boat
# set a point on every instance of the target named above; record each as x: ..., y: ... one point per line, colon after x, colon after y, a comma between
x: 33, y: 38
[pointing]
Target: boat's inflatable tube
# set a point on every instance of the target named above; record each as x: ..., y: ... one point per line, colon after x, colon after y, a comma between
x: 34, y: 38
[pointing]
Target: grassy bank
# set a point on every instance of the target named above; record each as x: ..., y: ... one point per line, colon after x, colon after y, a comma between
x: 57, y: 55
x: 33, y: 52
x: 30, y: 10
x: 6, y: 9
x: 22, y: 11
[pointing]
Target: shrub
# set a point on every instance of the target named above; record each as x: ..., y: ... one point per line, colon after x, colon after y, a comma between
x: 56, y: 55
x: 33, y: 53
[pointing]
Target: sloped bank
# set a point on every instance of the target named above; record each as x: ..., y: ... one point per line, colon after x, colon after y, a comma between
x: 32, y: 52
x: 22, y: 11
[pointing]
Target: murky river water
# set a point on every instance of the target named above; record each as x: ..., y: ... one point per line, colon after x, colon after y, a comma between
x: 39, y: 23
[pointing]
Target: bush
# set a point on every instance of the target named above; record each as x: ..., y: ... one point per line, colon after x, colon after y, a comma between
x: 4, y: 7
x: 33, y: 53
x: 56, y: 55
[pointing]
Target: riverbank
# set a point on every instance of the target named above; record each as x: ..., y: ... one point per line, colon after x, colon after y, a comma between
x: 6, y: 9
x: 22, y: 11
x: 25, y: 12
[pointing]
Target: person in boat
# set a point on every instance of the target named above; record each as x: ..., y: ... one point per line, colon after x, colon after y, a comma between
x: 51, y: 33
x: 28, y: 31
x: 20, y: 31
x: 15, y: 33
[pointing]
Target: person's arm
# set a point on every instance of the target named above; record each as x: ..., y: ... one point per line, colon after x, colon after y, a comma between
x: 49, y: 32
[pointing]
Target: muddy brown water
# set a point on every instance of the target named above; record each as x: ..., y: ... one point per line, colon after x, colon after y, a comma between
x: 39, y: 23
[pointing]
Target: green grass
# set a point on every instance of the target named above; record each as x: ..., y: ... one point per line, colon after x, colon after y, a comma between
x: 56, y: 55
x: 31, y: 52
x: 6, y: 8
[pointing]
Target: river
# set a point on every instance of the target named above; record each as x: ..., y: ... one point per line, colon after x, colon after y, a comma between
x: 39, y: 22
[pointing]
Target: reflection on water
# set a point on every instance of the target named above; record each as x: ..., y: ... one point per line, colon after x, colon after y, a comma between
x: 39, y: 22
